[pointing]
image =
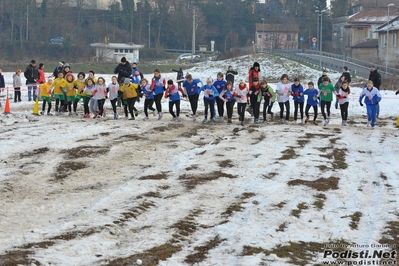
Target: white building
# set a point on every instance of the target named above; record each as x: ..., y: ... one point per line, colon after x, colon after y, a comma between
x: 113, y: 52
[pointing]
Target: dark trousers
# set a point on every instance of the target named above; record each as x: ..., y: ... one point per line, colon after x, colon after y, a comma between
x: 57, y: 104
x: 328, y: 107
x: 229, y: 107
x: 296, y: 105
x: 157, y: 100
x: 220, y: 104
x: 130, y: 105
x: 86, y: 101
x: 70, y: 106
x: 100, y: 104
x: 344, y: 111
x: 113, y: 104
x: 209, y: 104
x: 17, y: 95
x: 44, y: 106
x: 287, y: 111
x: 75, y: 104
x: 193, y: 102
x: 314, y: 110
x: 241, y: 110
x: 148, y: 105
x: 177, y: 104
x: 267, y: 108
x: 255, y: 105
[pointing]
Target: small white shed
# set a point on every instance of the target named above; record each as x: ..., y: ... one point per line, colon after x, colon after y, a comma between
x: 113, y: 52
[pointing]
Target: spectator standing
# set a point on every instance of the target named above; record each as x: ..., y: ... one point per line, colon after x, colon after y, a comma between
x: 2, y: 83
x: 230, y: 74
x: 323, y: 75
x: 42, y: 78
x: 32, y: 75
x: 59, y: 68
x: 346, y: 74
x: 179, y: 77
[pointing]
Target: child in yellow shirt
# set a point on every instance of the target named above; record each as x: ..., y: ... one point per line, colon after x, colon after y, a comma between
x: 59, y: 87
x: 45, y: 93
x: 80, y: 84
x: 129, y: 91
x: 70, y: 91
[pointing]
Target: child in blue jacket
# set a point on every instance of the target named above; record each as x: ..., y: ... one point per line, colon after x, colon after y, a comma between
x: 372, y: 97
x: 192, y: 87
x: 172, y: 92
x: 312, y: 101
x: 210, y: 94
x: 299, y: 99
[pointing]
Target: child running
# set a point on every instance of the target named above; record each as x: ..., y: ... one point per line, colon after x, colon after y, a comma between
x: 210, y: 93
x: 312, y: 101
x: 283, y: 91
x: 149, y: 98
x: 267, y: 93
x: 326, y: 97
x: 112, y: 90
x: 130, y: 91
x: 343, y: 99
x: 297, y: 94
x: 90, y: 86
x: 372, y: 97
x: 45, y: 94
x: 59, y: 87
x: 172, y: 92
x: 80, y: 84
x: 191, y: 86
x: 253, y: 98
x: 99, y: 94
x: 219, y: 84
x: 158, y: 86
x: 228, y: 96
x: 70, y: 91
x: 241, y: 97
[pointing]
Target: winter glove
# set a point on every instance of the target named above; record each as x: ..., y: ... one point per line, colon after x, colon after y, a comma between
x: 268, y: 94
x: 360, y: 104
x: 339, y: 96
x: 376, y: 102
x: 397, y: 93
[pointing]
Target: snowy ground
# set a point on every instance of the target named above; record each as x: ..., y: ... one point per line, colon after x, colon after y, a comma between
x: 80, y: 191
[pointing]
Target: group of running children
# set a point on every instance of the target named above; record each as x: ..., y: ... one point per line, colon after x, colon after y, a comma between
x: 220, y: 92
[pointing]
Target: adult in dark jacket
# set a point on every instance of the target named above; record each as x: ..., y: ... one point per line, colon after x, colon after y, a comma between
x: 124, y: 70
x: 2, y: 82
x: 230, y: 74
x: 346, y: 74
x: 31, y: 74
x: 375, y: 77
x: 323, y: 75
x: 179, y: 77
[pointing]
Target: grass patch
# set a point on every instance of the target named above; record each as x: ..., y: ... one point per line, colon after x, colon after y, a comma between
x: 67, y: 168
x: 321, y: 184
x: 383, y: 176
x: 338, y: 156
x: 191, y: 181
x: 134, y: 212
x: 192, y: 167
x: 355, y: 218
x: 281, y: 227
x: 35, y: 152
x: 288, y: 154
x: 150, y: 194
x: 159, y: 176
x: 202, y: 251
x: 185, y: 227
x: 85, y: 152
x: 322, y: 167
x: 391, y: 233
x: 296, y: 253
x: 280, y: 205
x: 225, y: 163
x: 301, y: 206
x: 302, y: 142
x: 270, y: 175
x: 237, y: 206
x: 319, y: 202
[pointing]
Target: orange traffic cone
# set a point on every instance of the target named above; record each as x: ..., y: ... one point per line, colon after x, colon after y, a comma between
x: 7, y: 108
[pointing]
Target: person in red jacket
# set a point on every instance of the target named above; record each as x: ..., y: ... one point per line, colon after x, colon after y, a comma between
x: 254, y: 73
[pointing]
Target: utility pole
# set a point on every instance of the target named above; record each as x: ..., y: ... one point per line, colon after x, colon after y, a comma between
x: 193, y: 40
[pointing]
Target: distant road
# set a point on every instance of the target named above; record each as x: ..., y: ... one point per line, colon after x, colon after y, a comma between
x: 360, y: 71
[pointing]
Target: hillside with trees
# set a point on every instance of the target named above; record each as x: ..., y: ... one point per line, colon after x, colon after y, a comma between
x: 27, y: 27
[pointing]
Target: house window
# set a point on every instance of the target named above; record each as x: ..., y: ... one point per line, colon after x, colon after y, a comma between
x: 116, y: 50
x: 260, y: 36
x: 288, y: 37
x: 121, y: 50
x: 126, y: 50
x: 131, y: 51
x: 394, y: 40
